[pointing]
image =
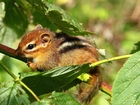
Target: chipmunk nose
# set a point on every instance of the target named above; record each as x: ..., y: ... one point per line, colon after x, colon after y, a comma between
x: 19, y: 52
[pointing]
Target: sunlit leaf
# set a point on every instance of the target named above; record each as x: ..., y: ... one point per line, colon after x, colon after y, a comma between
x: 63, y: 99
x: 127, y: 84
x: 42, y: 102
x: 57, y: 99
x: 14, y: 95
x: 58, y: 17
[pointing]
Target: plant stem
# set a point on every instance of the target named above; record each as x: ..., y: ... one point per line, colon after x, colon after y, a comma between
x: 8, y: 71
x: 26, y: 87
x: 111, y: 59
x: 106, y: 89
x: 18, y: 80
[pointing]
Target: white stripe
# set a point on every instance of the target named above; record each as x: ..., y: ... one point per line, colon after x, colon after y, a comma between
x: 69, y: 44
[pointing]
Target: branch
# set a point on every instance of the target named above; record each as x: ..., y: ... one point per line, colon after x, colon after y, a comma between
x: 10, y: 52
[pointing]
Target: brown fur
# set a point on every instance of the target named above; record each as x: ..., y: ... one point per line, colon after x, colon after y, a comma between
x: 61, y: 50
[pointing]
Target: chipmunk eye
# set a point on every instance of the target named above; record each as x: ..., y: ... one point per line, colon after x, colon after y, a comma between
x: 31, y: 46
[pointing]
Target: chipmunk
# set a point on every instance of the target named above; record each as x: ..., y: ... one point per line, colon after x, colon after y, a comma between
x: 45, y: 50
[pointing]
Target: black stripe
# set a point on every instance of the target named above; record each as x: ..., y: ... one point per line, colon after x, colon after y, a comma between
x: 70, y: 39
x: 76, y: 42
x: 70, y: 48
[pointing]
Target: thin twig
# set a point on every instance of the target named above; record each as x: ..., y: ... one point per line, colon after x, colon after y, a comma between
x: 16, y: 79
x: 26, y: 87
x: 111, y: 59
x: 8, y: 71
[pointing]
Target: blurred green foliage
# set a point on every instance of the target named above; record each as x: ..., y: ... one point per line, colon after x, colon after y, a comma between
x: 116, y: 23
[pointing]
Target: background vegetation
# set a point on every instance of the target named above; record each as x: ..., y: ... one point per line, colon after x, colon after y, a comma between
x: 114, y: 22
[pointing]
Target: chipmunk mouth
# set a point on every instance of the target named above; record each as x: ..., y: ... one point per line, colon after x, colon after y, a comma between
x: 29, y: 59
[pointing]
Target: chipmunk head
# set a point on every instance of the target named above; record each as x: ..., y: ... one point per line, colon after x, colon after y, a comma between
x: 34, y: 40
x: 35, y: 43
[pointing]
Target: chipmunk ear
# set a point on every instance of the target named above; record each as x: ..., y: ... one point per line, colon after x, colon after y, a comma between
x: 38, y: 27
x: 45, y: 38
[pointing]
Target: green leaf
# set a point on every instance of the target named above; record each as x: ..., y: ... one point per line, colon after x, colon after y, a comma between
x: 63, y: 99
x: 55, y: 79
x: 40, y: 18
x: 136, y: 48
x: 59, y: 17
x: 126, y: 88
x: 16, y: 16
x: 57, y: 99
x: 42, y: 102
x: 14, y: 95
